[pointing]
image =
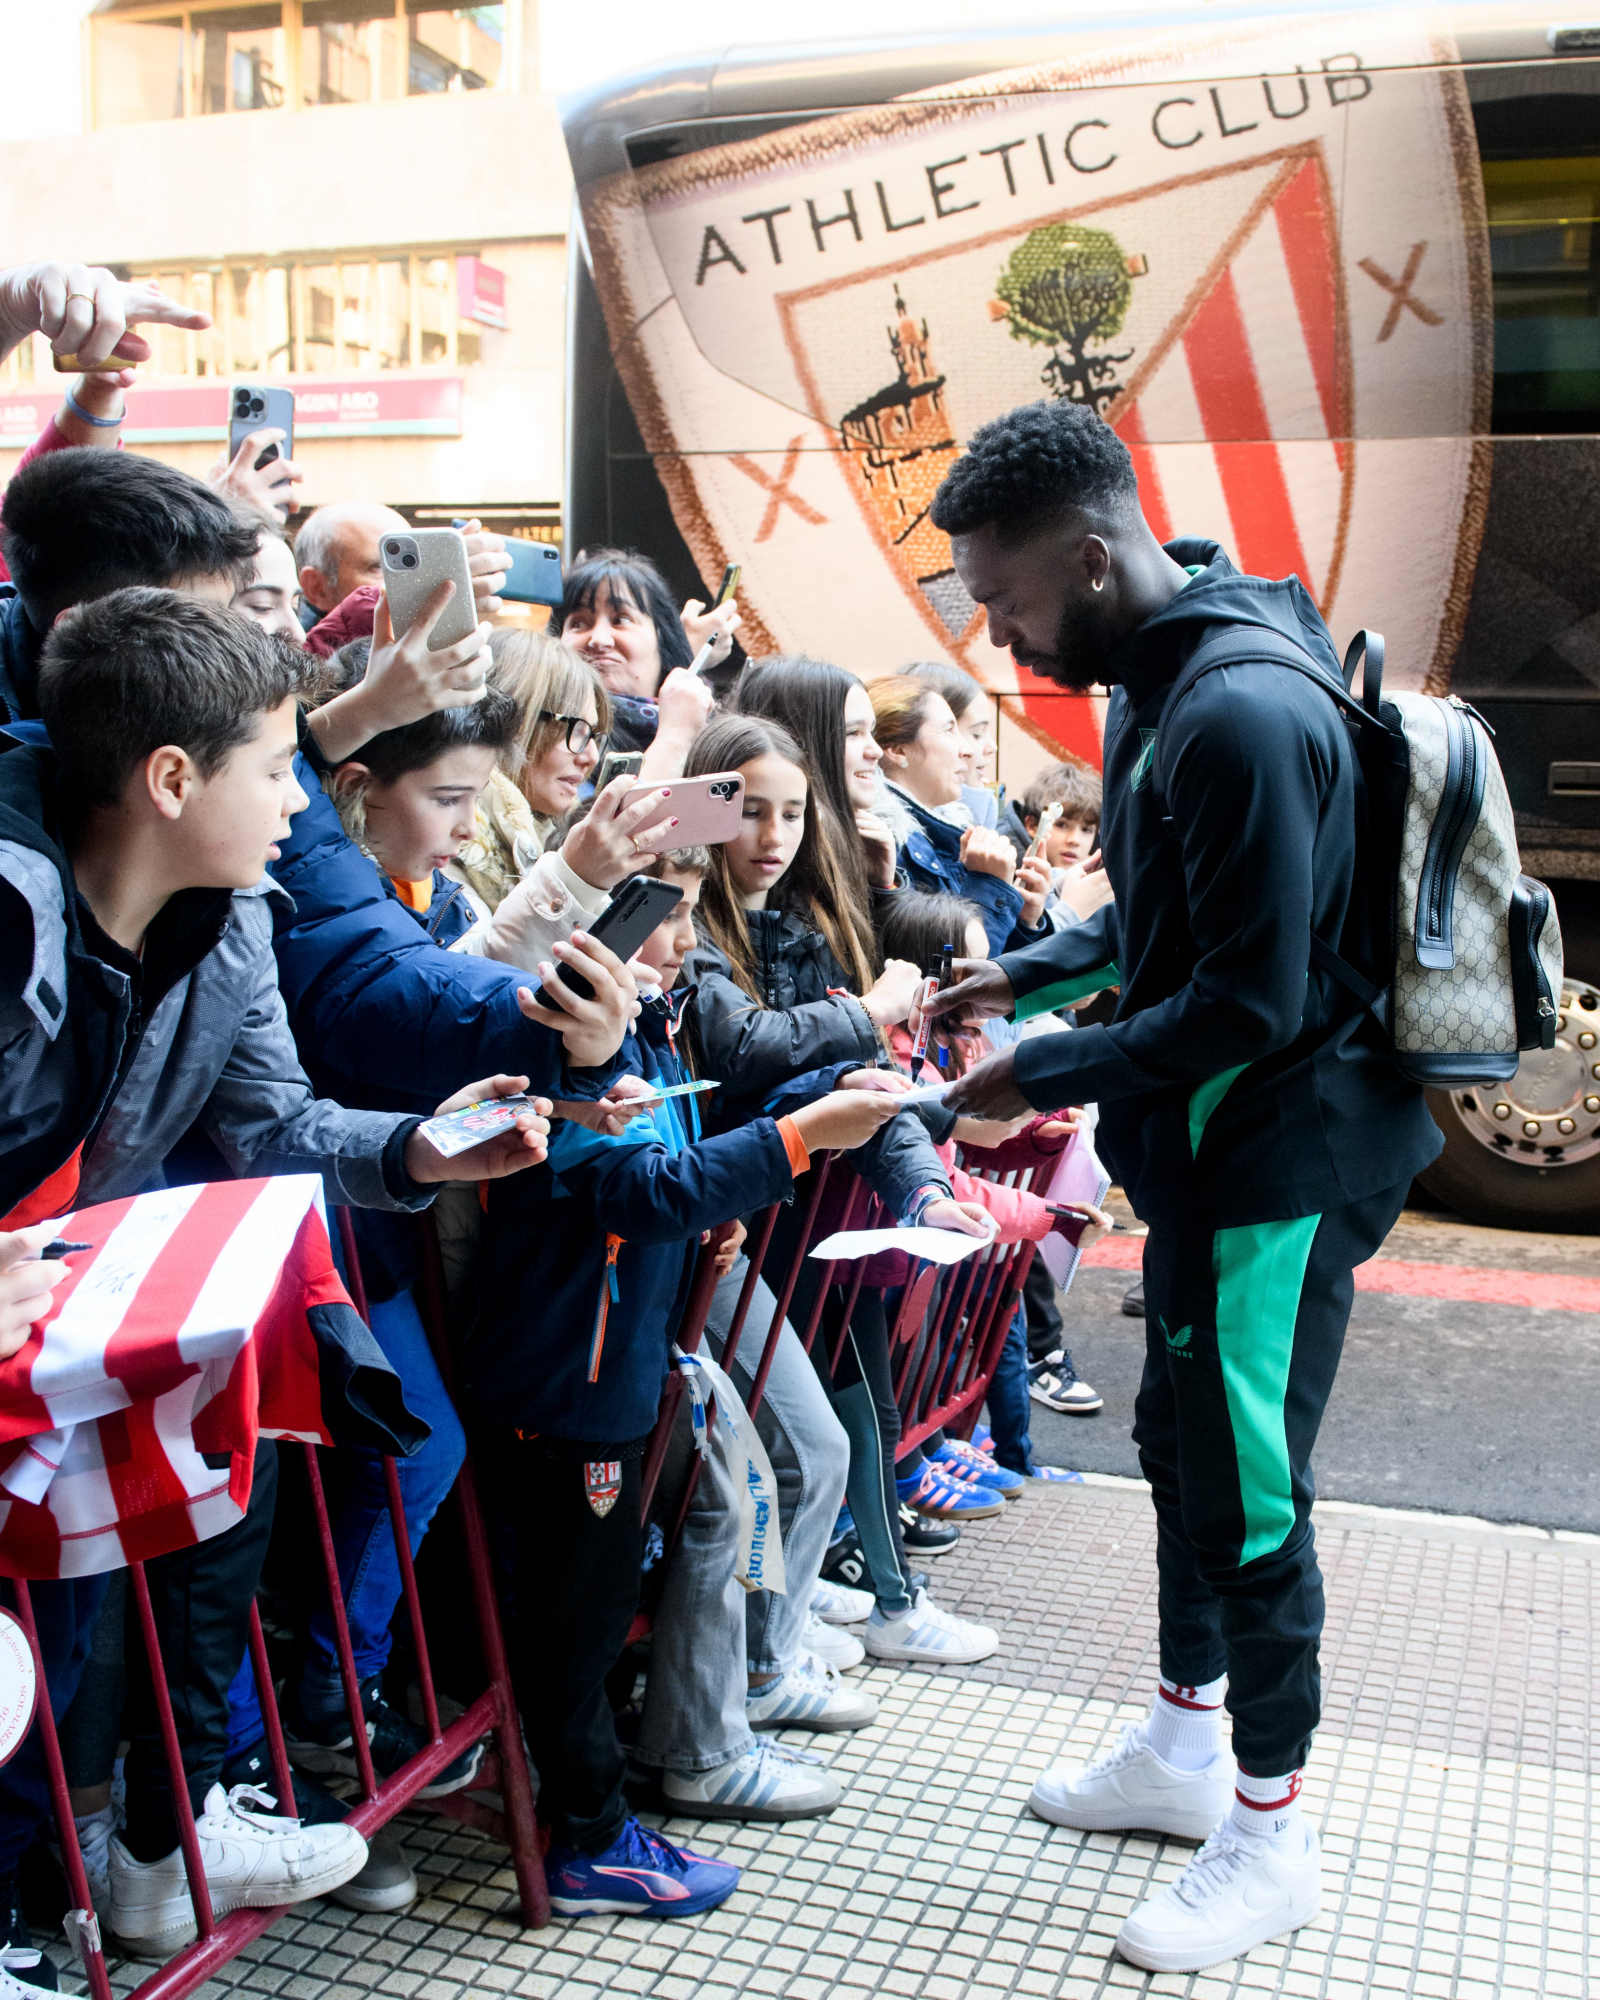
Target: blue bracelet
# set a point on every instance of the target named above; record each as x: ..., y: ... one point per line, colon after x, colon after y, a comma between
x: 100, y: 423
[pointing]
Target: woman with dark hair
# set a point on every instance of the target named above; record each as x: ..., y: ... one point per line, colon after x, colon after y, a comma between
x: 830, y: 712
x: 969, y: 704
x: 617, y: 613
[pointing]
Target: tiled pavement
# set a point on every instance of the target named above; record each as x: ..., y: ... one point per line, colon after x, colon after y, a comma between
x: 1450, y: 1783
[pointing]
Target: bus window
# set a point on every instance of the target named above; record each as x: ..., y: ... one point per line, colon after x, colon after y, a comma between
x: 1539, y: 141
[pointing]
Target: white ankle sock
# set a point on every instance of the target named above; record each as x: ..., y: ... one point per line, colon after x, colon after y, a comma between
x: 1185, y: 1727
x: 1267, y: 1808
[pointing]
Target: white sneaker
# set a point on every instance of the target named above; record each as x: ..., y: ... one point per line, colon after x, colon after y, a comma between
x: 94, y: 1844
x: 770, y: 1781
x: 809, y: 1695
x: 253, y: 1860
x: 925, y: 1633
x: 1235, y: 1894
x: 16, y: 1959
x: 838, y: 1604
x: 832, y: 1643
x: 1131, y: 1787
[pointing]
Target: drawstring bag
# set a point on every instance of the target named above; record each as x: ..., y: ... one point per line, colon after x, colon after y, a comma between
x: 731, y: 1434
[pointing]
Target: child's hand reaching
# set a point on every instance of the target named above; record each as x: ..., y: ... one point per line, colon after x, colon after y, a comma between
x: 728, y: 1238
x: 965, y: 1216
x: 844, y: 1119
x: 1034, y: 878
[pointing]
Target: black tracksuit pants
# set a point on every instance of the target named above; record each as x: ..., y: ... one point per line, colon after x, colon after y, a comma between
x: 1243, y: 1332
x: 576, y: 1593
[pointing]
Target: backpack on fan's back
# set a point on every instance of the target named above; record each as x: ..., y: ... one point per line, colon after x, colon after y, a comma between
x: 1457, y: 952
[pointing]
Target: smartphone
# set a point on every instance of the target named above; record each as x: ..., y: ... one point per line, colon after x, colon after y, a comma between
x: 534, y: 572
x: 254, y: 409
x: 638, y: 905
x: 728, y: 585
x: 71, y: 364
x: 708, y: 809
x: 414, y: 565
x: 617, y: 764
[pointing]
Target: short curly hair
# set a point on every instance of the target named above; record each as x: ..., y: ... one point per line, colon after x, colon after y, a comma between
x: 1032, y: 463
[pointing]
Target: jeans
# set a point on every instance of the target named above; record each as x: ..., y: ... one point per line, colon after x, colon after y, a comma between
x: 1008, y: 1399
x: 66, y: 1613
x: 709, y: 1631
x: 363, y: 1538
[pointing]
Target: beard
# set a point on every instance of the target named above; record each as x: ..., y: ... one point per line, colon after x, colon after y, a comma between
x: 1084, y: 642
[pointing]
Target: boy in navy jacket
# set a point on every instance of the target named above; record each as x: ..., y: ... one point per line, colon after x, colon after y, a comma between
x: 581, y: 1289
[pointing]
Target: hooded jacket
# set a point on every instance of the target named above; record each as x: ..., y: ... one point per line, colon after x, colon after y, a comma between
x: 586, y: 1261
x: 810, y: 1024
x: 1237, y: 1083
x: 124, y: 1062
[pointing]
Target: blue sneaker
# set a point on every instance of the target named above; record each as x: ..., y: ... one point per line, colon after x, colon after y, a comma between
x: 934, y: 1493
x: 963, y: 1461
x: 641, y: 1874
x: 1056, y: 1472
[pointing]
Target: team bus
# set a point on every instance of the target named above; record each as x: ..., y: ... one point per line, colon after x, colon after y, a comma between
x: 1333, y: 277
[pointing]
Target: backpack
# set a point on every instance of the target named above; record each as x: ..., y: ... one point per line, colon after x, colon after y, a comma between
x: 1456, y: 952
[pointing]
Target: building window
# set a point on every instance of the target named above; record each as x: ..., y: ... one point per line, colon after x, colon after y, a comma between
x: 361, y: 312
x: 154, y: 62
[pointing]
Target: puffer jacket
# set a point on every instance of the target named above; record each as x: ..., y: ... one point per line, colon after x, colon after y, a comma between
x: 586, y: 1260
x: 84, y: 1066
x: 811, y: 1033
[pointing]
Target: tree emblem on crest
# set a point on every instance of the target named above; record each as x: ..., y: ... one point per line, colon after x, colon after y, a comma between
x: 1068, y: 288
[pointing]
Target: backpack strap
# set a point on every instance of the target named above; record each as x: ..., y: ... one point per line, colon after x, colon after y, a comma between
x: 1241, y: 645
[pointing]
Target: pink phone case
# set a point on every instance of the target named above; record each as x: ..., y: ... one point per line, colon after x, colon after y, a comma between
x: 708, y: 809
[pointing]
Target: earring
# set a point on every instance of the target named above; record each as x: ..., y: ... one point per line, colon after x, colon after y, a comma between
x: 1099, y: 583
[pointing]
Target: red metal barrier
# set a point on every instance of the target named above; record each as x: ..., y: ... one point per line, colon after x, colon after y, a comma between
x: 492, y: 1713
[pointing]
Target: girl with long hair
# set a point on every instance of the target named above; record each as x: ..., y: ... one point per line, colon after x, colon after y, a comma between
x: 783, y: 989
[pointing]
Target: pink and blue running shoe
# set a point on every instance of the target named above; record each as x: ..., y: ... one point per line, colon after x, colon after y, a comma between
x: 959, y: 1460
x: 641, y: 1874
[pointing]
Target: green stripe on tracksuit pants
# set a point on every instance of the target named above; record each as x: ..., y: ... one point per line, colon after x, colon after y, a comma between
x: 1243, y: 1332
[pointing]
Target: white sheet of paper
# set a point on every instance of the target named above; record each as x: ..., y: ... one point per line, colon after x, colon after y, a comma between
x: 938, y: 1246
x: 925, y: 1093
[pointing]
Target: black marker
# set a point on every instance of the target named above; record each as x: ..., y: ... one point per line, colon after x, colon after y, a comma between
x: 58, y: 1247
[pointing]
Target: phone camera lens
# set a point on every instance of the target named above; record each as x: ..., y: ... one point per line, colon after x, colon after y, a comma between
x: 410, y: 562
x: 391, y: 548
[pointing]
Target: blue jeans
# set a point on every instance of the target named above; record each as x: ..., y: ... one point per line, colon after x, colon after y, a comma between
x: 1008, y: 1399
x: 369, y: 1570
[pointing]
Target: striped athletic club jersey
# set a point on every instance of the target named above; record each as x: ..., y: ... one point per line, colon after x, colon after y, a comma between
x: 199, y: 1320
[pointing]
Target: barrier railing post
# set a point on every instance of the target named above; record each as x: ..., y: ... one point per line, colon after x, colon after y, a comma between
x: 277, y: 1749
x: 341, y: 1630
x: 527, y: 1864
x: 87, y: 1940
x: 182, y: 1809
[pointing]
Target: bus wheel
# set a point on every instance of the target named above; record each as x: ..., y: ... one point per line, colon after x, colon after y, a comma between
x: 1526, y: 1154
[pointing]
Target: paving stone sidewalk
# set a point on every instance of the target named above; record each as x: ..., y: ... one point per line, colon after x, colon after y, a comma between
x: 1451, y: 1784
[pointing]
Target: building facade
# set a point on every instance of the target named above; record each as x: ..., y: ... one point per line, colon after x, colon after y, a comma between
x: 370, y: 198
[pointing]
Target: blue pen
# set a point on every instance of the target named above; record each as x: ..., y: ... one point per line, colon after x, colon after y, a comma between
x: 946, y: 962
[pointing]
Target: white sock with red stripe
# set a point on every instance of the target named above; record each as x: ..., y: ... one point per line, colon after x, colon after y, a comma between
x: 1185, y: 1726
x: 1267, y: 1808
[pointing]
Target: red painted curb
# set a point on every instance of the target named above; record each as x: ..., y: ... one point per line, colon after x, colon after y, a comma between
x: 1467, y: 1284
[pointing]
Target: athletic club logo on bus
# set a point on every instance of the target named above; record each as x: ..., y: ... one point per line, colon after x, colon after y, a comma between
x: 602, y: 1482
x: 1258, y: 250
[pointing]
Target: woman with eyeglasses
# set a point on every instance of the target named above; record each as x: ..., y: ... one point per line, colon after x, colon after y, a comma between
x: 539, y: 888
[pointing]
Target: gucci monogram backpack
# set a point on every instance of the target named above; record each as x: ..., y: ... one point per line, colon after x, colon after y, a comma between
x: 1456, y: 951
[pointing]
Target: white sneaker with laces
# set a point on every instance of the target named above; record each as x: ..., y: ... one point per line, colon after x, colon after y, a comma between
x: 770, y: 1781
x: 1235, y: 1894
x: 809, y: 1695
x: 14, y: 1960
x: 925, y: 1633
x: 1130, y: 1787
x: 253, y: 1860
x: 832, y: 1643
x: 838, y: 1604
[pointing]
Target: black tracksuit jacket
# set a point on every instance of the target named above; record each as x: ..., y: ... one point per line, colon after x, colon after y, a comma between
x: 1237, y: 1082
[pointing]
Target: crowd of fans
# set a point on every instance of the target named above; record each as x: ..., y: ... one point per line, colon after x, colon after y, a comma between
x: 279, y: 885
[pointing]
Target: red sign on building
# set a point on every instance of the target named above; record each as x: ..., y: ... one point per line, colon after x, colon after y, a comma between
x: 375, y: 405
x: 481, y: 292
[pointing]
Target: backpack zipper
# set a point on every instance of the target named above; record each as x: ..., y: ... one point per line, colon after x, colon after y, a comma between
x: 1460, y: 798
x: 608, y: 1292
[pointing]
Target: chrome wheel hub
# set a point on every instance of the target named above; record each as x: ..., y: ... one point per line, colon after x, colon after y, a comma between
x: 1548, y: 1114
